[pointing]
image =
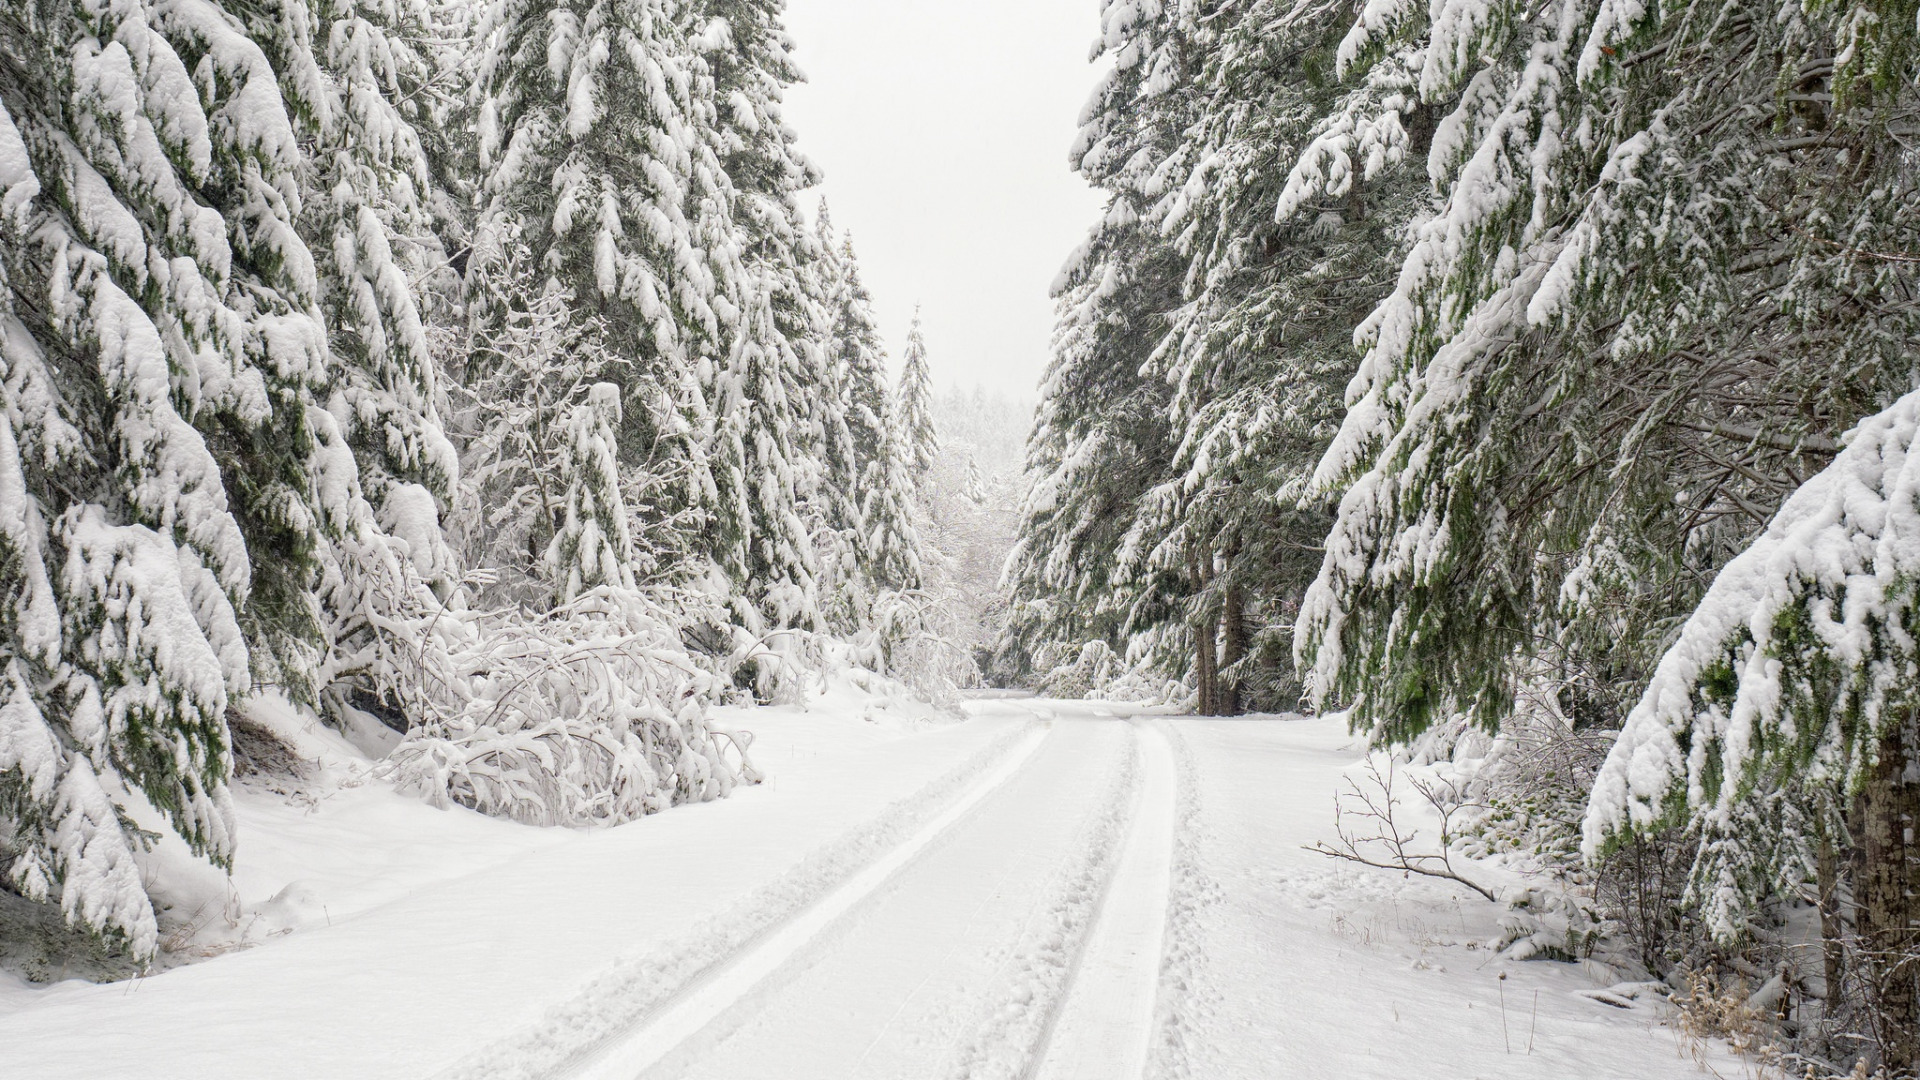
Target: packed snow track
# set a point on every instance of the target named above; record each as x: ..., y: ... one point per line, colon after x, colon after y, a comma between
x: 1015, y: 934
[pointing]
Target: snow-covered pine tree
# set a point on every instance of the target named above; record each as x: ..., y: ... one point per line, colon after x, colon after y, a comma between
x: 861, y: 507
x: 599, y: 160
x: 833, y: 501
x: 747, y: 50
x: 510, y: 414
x: 765, y: 436
x: 1259, y: 351
x: 913, y: 406
x: 760, y: 446
x: 1789, y: 691
x: 1650, y: 301
x: 892, y: 556
x: 1101, y: 438
x: 912, y: 624
x: 161, y: 339
x: 367, y: 205
x: 592, y: 547
x: 872, y: 490
x: 370, y: 77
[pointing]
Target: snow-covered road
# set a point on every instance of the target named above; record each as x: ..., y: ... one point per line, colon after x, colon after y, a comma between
x: 1064, y: 891
x: 964, y: 929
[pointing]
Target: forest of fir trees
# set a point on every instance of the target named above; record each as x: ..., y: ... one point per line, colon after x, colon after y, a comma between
x: 1535, y: 382
x: 465, y: 374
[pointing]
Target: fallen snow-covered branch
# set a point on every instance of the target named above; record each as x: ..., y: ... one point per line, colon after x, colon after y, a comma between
x: 594, y: 715
x: 1379, y: 830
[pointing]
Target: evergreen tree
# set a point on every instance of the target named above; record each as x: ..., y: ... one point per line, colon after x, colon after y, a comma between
x: 1101, y: 437
x: 758, y: 427
x: 598, y: 160
x: 858, y: 359
x: 974, y: 486
x: 748, y: 51
x: 1580, y: 399
x: 833, y: 497
x: 1260, y: 348
x: 592, y: 547
x: 162, y: 338
x: 870, y: 488
x: 766, y: 438
x: 913, y: 408
x: 367, y: 204
x: 377, y: 75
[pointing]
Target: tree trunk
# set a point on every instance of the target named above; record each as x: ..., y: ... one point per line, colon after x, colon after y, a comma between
x: 1832, y: 924
x: 1206, y: 668
x: 1206, y: 633
x: 1233, y: 701
x: 1889, y: 902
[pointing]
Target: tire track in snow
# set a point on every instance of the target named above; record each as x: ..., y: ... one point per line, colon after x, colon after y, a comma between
x: 630, y: 999
x: 1104, y: 1027
x: 632, y: 1052
x: 1185, y: 999
x: 1088, y: 994
x: 1026, y: 995
x: 960, y: 954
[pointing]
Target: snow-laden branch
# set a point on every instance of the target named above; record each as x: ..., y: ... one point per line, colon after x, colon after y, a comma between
x: 1794, y: 652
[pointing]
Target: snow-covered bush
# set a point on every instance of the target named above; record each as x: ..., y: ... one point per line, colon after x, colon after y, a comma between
x: 1078, y: 673
x: 912, y: 638
x: 594, y: 714
x: 1094, y: 670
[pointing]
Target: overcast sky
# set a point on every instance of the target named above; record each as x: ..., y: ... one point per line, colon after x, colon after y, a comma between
x: 943, y: 128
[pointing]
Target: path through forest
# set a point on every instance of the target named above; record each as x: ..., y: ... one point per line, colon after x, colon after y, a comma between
x: 1065, y: 891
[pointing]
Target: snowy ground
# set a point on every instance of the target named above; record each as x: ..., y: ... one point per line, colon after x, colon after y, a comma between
x: 1051, y: 890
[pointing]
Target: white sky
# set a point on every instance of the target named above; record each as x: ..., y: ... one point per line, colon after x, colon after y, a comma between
x: 943, y: 127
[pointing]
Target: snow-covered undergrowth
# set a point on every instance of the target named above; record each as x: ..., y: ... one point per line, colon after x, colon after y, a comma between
x: 1349, y: 970
x: 1520, y: 791
x: 914, y: 641
x: 595, y: 715
x: 1506, y: 804
x: 1094, y: 671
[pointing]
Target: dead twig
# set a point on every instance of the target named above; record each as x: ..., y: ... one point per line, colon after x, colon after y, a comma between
x: 1381, y: 841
